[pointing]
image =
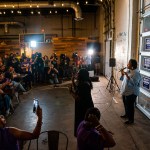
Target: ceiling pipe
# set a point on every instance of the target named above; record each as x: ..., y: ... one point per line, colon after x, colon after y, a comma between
x: 40, y: 4
x: 10, y: 23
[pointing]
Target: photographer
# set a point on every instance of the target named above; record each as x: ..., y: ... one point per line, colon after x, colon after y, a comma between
x: 10, y: 136
x: 54, y: 60
x: 39, y: 65
x: 52, y: 73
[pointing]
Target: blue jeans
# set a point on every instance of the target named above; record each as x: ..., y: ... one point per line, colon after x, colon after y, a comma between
x: 4, y: 102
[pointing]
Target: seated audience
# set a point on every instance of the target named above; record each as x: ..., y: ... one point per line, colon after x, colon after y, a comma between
x: 91, y: 135
x: 10, y: 136
x: 5, y: 99
x: 3, y: 69
x: 11, y: 74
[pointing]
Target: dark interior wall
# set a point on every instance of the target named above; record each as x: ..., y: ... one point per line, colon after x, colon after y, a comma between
x: 62, y: 25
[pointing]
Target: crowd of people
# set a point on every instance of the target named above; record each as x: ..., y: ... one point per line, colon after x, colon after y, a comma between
x: 19, y: 73
x: 87, y: 128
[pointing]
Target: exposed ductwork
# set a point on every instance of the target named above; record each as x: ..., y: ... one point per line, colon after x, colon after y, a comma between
x: 40, y: 4
x: 10, y: 23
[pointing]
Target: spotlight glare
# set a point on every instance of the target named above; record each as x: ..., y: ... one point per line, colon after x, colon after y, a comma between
x: 33, y: 43
x: 90, y: 52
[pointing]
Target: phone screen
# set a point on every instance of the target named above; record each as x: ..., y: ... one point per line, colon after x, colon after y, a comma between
x: 35, y: 105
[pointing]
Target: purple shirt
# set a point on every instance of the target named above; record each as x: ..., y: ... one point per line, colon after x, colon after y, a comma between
x: 7, y: 140
x: 88, y: 138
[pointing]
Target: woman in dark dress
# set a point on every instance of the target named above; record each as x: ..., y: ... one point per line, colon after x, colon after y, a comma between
x: 82, y: 95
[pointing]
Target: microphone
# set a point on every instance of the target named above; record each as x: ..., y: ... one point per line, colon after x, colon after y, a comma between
x: 122, y: 69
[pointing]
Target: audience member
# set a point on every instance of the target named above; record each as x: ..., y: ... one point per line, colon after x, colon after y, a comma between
x: 91, y: 135
x: 39, y: 65
x: 82, y: 95
x: 46, y: 67
x: 26, y: 70
x: 52, y: 73
x: 54, y: 60
x: 11, y: 74
x: 10, y: 136
x: 5, y: 99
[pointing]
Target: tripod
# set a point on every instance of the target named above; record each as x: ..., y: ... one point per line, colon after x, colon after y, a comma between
x: 112, y: 82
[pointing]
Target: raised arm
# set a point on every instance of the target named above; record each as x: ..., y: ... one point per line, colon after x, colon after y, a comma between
x: 25, y: 135
x: 106, y: 135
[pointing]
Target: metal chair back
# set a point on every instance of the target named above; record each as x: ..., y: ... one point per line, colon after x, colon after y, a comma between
x: 54, y: 140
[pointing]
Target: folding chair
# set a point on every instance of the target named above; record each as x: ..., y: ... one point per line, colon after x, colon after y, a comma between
x: 53, y: 140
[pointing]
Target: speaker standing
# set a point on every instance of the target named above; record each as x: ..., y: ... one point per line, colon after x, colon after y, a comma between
x: 130, y: 89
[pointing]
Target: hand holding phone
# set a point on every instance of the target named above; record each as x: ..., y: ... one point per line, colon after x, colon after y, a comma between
x: 35, y: 105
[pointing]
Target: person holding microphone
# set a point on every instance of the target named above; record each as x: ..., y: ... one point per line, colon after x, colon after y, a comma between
x: 130, y: 89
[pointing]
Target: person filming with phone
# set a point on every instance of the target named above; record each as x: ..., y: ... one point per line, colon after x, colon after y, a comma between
x: 10, y: 136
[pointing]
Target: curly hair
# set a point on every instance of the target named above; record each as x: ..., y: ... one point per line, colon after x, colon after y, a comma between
x: 93, y: 111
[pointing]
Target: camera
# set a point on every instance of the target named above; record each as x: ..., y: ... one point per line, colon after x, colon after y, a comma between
x: 35, y: 105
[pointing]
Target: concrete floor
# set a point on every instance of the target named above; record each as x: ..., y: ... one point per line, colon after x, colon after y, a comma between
x: 58, y: 114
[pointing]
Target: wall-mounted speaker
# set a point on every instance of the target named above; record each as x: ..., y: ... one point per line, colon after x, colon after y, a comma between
x: 112, y: 62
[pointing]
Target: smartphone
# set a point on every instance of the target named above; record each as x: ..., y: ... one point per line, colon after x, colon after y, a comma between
x: 35, y: 105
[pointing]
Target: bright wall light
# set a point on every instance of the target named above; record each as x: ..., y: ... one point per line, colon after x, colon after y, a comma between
x: 90, y: 52
x: 33, y: 43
